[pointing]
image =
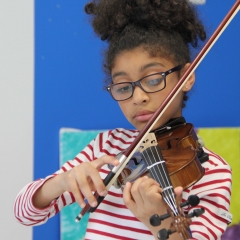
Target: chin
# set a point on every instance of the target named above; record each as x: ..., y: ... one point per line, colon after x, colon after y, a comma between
x: 140, y: 126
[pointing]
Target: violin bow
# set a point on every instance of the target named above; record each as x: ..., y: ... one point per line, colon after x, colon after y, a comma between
x: 126, y: 156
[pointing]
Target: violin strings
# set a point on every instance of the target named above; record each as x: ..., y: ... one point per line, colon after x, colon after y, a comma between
x: 162, y: 177
x: 169, y: 197
x: 166, y: 194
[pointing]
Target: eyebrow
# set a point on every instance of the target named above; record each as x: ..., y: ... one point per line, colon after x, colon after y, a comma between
x: 143, y: 68
x: 153, y: 64
x: 119, y: 74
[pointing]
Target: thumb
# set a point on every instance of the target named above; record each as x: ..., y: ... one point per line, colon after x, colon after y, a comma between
x: 178, y: 191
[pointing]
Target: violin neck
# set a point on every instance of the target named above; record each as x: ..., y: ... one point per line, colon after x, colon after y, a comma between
x: 157, y: 167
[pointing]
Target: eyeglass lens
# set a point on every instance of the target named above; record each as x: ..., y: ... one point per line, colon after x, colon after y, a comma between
x: 150, y: 84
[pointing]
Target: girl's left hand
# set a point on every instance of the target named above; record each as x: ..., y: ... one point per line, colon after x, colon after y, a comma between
x: 143, y: 199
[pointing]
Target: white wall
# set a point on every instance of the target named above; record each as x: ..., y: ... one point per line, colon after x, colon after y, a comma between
x: 16, y: 109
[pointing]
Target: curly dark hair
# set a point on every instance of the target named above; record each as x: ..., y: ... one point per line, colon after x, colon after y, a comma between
x: 162, y: 27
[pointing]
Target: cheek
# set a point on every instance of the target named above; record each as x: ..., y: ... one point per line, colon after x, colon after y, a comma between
x: 176, y: 104
x: 162, y: 95
x: 124, y: 108
x: 158, y: 97
x: 173, y: 110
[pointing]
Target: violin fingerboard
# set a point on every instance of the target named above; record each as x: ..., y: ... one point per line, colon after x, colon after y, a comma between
x: 157, y: 166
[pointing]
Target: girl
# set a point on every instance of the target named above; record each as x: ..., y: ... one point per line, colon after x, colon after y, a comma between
x: 148, y: 52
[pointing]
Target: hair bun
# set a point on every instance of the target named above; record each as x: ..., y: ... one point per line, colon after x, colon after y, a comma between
x: 110, y: 17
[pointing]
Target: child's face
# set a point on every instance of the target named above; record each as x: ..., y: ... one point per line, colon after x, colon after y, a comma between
x: 133, y: 65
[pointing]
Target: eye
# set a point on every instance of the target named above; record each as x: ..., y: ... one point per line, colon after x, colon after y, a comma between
x: 153, y: 80
x: 122, y: 88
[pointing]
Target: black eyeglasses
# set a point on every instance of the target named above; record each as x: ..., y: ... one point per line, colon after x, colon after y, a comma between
x: 149, y: 84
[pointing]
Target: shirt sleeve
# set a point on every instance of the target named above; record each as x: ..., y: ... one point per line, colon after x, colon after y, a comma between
x: 24, y: 210
x: 214, y: 191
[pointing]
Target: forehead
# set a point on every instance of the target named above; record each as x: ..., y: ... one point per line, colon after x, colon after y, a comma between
x: 137, y: 59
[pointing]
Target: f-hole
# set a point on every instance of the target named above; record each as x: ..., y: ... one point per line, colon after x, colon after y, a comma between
x: 170, y: 143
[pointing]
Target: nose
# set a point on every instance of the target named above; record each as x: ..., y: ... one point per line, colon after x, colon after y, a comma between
x: 139, y: 96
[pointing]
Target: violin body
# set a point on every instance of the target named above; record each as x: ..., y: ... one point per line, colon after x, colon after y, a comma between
x: 179, y: 147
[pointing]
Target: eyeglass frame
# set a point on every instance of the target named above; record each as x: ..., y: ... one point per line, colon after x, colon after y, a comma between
x: 137, y: 83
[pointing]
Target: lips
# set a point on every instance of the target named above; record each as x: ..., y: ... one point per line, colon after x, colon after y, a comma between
x: 143, y: 115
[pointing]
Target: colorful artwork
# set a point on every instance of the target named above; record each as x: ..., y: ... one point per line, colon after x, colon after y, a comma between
x: 72, y: 141
x: 223, y: 141
x: 226, y: 143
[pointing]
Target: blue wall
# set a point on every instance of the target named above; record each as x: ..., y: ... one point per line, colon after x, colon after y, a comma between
x: 68, y: 82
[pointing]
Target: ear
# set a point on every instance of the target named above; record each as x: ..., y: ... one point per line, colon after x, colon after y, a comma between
x: 191, y: 80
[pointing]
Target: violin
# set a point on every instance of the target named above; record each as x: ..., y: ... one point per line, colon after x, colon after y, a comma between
x: 170, y: 156
x: 180, y: 149
x: 172, y: 159
x: 180, y: 222
x: 151, y: 152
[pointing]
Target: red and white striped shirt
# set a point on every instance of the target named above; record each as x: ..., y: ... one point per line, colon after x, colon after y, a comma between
x: 112, y: 219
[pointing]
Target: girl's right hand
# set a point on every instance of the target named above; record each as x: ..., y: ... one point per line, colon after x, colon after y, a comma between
x: 85, y: 179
